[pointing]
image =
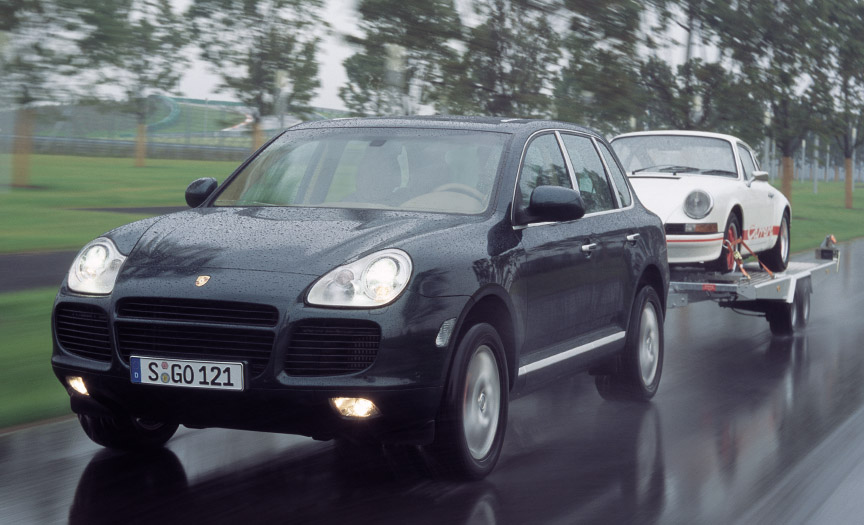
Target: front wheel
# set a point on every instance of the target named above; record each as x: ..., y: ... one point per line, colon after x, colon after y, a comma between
x: 126, y: 433
x: 777, y: 258
x: 470, y: 427
x: 726, y: 262
x: 638, y: 374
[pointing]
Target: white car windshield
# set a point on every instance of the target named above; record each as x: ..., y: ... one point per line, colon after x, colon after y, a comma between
x: 439, y: 170
x: 676, y: 154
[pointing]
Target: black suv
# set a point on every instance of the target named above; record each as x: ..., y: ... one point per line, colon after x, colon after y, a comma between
x: 395, y: 280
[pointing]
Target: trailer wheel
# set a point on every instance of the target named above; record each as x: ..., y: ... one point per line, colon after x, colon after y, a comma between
x: 785, y: 318
x: 802, y: 303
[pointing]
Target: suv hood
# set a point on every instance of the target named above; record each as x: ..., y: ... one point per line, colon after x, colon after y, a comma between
x: 308, y: 241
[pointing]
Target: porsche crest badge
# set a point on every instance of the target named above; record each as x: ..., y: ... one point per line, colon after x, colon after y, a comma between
x: 202, y: 280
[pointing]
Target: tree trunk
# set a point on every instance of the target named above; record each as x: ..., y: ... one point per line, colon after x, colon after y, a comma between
x: 257, y: 135
x: 22, y: 149
x: 788, y: 176
x: 848, y: 183
x: 141, y: 145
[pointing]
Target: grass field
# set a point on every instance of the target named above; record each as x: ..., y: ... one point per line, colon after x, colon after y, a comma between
x: 48, y: 217
x: 29, y: 391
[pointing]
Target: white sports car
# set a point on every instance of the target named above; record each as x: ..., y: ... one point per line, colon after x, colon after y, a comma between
x: 707, y: 188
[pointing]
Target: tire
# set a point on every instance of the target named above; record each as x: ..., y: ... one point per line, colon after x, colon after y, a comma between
x: 786, y: 319
x: 782, y: 318
x: 638, y: 375
x: 777, y: 258
x: 127, y: 433
x: 726, y: 262
x: 470, y: 427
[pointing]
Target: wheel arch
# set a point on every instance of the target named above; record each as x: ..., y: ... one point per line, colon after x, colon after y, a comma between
x: 490, y: 305
x: 652, y: 276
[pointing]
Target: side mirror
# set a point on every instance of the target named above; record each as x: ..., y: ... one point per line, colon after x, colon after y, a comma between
x: 199, y: 190
x: 761, y: 175
x: 555, y: 203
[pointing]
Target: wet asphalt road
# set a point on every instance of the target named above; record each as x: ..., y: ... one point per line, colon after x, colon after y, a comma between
x: 746, y: 428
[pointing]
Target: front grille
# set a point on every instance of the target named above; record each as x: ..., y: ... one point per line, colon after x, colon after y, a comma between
x: 196, y: 342
x: 674, y: 229
x: 328, y: 347
x: 196, y: 310
x: 82, y: 329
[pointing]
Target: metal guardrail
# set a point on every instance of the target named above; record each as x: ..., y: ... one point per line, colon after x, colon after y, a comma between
x: 126, y: 148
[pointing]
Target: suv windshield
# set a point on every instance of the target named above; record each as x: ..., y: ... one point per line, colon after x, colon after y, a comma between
x: 446, y: 171
x: 676, y: 154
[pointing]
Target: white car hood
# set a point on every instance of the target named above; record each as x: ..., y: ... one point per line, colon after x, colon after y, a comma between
x: 664, y: 193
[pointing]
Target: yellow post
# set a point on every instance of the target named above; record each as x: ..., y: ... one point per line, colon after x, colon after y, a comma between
x: 141, y: 146
x: 22, y: 148
x: 257, y: 135
x: 788, y: 175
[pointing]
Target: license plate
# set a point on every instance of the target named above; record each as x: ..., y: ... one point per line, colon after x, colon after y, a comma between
x: 188, y: 374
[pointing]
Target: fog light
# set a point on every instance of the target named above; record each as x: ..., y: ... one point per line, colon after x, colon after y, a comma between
x: 354, y: 407
x: 77, y: 384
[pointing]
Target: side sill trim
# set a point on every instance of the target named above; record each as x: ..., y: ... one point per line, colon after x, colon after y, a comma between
x: 573, y: 352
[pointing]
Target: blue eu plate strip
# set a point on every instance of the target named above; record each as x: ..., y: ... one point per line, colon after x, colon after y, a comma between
x: 135, y: 363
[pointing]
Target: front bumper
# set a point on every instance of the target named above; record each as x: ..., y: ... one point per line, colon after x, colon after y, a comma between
x: 405, y: 380
x: 683, y: 249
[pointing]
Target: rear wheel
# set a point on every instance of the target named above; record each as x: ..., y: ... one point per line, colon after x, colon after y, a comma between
x: 470, y: 428
x: 777, y: 258
x: 787, y: 318
x: 726, y: 262
x: 638, y: 374
x: 126, y: 433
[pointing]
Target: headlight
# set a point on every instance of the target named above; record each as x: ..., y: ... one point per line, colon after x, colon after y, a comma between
x: 96, y: 267
x: 374, y: 280
x: 698, y: 204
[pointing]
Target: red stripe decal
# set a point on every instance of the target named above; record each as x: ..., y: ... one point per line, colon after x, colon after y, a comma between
x: 775, y: 230
x: 712, y: 239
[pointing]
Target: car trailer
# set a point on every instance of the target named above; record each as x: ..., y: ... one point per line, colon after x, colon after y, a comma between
x: 783, y: 297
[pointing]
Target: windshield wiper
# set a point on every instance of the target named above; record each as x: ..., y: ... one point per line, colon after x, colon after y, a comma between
x: 719, y: 172
x: 669, y: 168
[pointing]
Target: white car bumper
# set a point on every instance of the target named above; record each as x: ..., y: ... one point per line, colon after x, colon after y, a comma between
x: 694, y: 248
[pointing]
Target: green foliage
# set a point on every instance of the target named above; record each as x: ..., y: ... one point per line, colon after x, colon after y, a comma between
x: 38, y: 55
x: 401, y: 57
x: 264, y: 50
x: 509, y: 67
x: 134, y: 46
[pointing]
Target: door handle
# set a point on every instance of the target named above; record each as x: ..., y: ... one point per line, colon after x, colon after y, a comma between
x: 588, y: 248
x: 633, y: 237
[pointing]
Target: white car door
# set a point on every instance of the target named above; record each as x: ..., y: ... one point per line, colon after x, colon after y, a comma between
x: 759, y: 228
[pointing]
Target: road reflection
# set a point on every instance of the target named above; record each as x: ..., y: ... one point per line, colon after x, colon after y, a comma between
x: 610, y: 464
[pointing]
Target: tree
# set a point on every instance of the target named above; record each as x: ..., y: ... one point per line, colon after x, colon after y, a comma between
x: 772, y: 43
x: 402, y: 55
x: 37, y: 59
x: 264, y: 50
x: 135, y: 47
x: 839, y: 81
x: 598, y: 86
x: 510, y: 64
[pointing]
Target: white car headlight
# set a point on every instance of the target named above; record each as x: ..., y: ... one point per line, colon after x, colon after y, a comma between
x: 374, y: 280
x: 698, y: 204
x: 96, y: 267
